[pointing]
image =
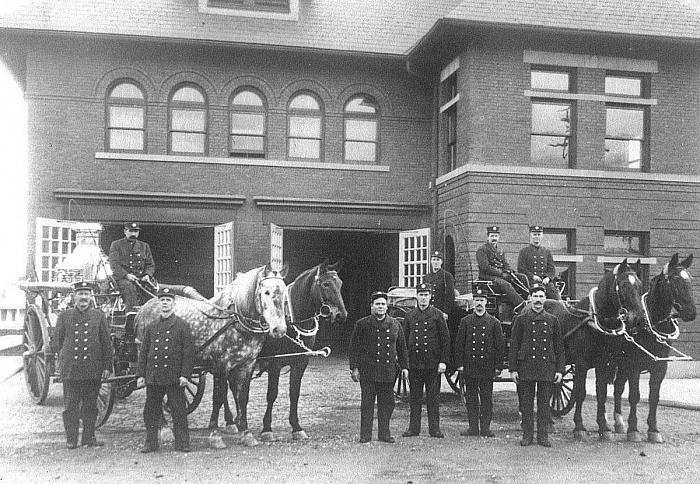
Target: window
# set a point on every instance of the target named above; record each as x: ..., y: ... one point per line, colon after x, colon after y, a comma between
x: 54, y: 241
x: 278, y: 6
x: 449, y: 97
x: 630, y: 245
x: 562, y: 244
x: 552, y: 119
x: 304, y: 121
x: 625, y: 129
x: 361, y: 120
x: 247, y: 136
x: 126, y: 118
x: 188, y: 121
x: 414, y: 256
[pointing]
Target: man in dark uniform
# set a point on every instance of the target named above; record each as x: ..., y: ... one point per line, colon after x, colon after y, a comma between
x: 479, y: 358
x: 536, y: 362
x: 442, y: 283
x: 131, y: 262
x: 537, y: 263
x: 493, y: 266
x: 377, y: 346
x: 85, y: 356
x: 428, y: 343
x: 165, y: 364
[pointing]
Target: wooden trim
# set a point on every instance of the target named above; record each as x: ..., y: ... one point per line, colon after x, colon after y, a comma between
x: 449, y: 69
x: 285, y: 203
x: 567, y: 258
x: 590, y: 61
x: 449, y: 104
x: 149, y: 198
x: 591, y: 97
x: 630, y: 259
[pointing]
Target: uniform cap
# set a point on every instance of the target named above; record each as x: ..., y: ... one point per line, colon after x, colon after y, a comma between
x: 377, y: 295
x: 536, y: 228
x: 132, y: 226
x: 166, y: 292
x: 537, y: 288
x: 437, y: 254
x: 479, y: 293
x: 423, y: 287
x: 81, y: 286
x: 493, y: 229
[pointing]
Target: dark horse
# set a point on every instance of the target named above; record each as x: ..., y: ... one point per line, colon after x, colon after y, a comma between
x: 669, y: 291
x: 589, y: 330
x: 314, y: 294
x: 230, y: 329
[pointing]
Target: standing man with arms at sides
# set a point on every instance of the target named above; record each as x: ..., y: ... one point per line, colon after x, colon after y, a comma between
x: 536, y: 362
x: 479, y: 358
x: 428, y: 343
x: 165, y: 363
x: 493, y: 266
x: 131, y: 262
x: 377, y: 346
x: 537, y: 263
x: 85, y: 357
x: 442, y: 283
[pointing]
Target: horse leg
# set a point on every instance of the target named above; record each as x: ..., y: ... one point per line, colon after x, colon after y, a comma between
x: 273, y: 381
x: 219, y: 391
x: 580, y: 432
x: 634, y: 397
x: 656, y: 376
x: 601, y: 392
x: 296, y: 373
x: 620, y: 382
x: 239, y: 381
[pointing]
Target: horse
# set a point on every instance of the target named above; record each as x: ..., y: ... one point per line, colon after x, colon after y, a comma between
x: 314, y: 295
x: 230, y: 329
x: 670, y: 291
x: 589, y: 329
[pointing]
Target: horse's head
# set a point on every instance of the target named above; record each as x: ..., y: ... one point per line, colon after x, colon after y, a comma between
x: 326, y: 292
x: 269, y: 299
x: 680, y: 282
x: 621, y: 293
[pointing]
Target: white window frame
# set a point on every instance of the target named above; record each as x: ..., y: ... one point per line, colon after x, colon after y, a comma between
x: 223, y: 256
x: 56, y: 256
x: 293, y: 14
x: 414, y: 256
x: 276, y: 246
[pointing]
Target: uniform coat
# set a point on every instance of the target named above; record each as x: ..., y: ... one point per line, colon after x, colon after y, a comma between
x: 536, y: 261
x: 427, y: 338
x: 167, y: 352
x: 443, y: 293
x: 492, y: 262
x: 83, y: 343
x: 127, y: 257
x: 378, y: 348
x: 479, y: 345
x: 537, y: 347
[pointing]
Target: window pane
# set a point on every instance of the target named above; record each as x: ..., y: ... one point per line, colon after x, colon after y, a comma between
x: 188, y: 94
x: 127, y: 90
x: 361, y: 105
x: 244, y: 123
x: 187, y: 120
x: 551, y: 151
x: 304, y: 127
x: 123, y: 117
x: 120, y: 139
x: 552, y: 81
x: 247, y: 143
x: 247, y: 98
x: 550, y: 118
x: 304, y: 101
x: 188, y: 142
x: 623, y: 155
x: 622, y: 244
x: 624, y: 123
x: 623, y: 85
x: 360, y: 129
x: 304, y: 148
x: 356, y: 151
x: 556, y: 243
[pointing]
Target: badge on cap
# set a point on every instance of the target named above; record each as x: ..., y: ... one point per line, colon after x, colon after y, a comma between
x: 437, y: 254
x: 536, y: 228
x: 493, y: 229
x: 132, y: 226
x: 378, y: 295
x: 423, y: 287
x: 479, y: 293
x: 81, y: 286
x: 166, y: 292
x: 536, y: 288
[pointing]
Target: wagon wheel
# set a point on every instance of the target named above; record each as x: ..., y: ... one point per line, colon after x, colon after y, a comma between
x: 37, y: 367
x: 105, y: 402
x: 562, y: 401
x: 402, y: 388
x: 194, y: 391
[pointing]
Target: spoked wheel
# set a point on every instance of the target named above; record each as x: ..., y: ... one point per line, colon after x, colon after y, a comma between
x: 105, y: 402
x: 194, y: 391
x: 562, y: 401
x: 37, y: 371
x: 402, y: 388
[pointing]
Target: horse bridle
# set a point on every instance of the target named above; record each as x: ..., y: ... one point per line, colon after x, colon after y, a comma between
x: 653, y: 325
x: 622, y: 311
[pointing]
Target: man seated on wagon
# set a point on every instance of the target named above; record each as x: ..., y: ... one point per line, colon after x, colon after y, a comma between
x: 537, y: 263
x: 493, y: 266
x: 132, y: 265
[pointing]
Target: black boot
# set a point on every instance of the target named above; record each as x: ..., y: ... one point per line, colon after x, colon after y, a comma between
x: 89, y: 439
x: 543, y: 439
x: 527, y: 439
x: 71, y: 433
x: 151, y: 444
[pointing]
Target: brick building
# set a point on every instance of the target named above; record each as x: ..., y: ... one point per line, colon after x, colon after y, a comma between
x: 239, y: 131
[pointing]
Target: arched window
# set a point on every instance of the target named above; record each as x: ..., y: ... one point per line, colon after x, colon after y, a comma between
x: 126, y: 118
x: 247, y: 135
x: 304, y: 122
x: 361, y: 128
x: 188, y: 121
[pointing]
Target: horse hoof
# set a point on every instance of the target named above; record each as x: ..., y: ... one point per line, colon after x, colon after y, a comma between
x: 581, y: 435
x: 216, y: 441
x: 166, y: 435
x: 606, y: 436
x: 634, y: 436
x: 231, y: 429
x: 299, y: 435
x: 655, y: 438
x: 620, y: 427
x: 249, y: 440
x: 267, y: 437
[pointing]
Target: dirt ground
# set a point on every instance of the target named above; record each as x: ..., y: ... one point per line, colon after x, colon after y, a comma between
x: 32, y: 443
